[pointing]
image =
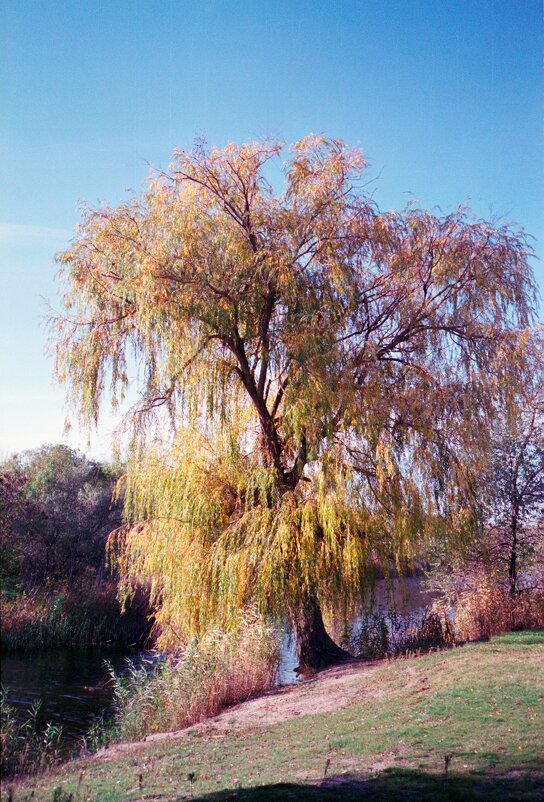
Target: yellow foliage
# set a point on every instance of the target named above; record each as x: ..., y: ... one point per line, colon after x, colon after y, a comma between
x: 315, y: 373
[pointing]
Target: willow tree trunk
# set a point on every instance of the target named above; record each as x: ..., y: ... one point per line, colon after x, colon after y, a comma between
x: 315, y: 648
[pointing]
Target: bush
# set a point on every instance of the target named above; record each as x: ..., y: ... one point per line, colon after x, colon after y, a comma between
x: 480, y: 603
x: 212, y: 673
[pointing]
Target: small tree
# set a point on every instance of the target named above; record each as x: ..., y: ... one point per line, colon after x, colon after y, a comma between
x: 512, y: 488
x: 323, y: 367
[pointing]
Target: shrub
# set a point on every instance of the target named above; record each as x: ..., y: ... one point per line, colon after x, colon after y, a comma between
x: 480, y: 603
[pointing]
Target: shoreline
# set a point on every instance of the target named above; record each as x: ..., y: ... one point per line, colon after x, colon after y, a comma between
x: 368, y: 719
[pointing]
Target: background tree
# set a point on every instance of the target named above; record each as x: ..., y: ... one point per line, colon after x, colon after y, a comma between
x: 322, y: 368
x: 60, y: 512
x: 12, y: 511
x: 497, y: 581
x: 511, y: 489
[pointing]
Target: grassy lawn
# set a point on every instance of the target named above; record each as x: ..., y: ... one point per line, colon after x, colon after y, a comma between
x: 479, y: 709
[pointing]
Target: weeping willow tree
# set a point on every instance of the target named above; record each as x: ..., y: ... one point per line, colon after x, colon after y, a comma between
x: 312, y: 372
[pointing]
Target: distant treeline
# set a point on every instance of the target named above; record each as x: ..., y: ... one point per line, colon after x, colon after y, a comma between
x: 57, y: 508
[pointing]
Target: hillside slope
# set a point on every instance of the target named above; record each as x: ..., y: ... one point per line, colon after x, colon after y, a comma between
x: 465, y: 724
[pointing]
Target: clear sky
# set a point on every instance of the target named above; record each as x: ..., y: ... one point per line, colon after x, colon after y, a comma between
x: 444, y: 96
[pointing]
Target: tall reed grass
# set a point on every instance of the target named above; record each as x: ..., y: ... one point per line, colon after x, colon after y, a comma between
x: 211, y: 674
x: 26, y: 748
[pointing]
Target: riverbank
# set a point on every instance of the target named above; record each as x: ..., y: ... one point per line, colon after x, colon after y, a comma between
x: 464, y: 724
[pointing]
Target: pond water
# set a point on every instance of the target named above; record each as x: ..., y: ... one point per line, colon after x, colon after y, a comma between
x: 72, y: 686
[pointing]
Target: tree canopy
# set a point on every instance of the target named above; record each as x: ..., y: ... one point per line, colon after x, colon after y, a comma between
x: 311, y: 369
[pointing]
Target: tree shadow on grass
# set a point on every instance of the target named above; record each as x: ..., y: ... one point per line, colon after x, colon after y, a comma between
x: 398, y: 785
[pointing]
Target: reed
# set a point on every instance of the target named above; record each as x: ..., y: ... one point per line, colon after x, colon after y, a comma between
x: 84, y: 612
x: 26, y: 747
x: 219, y: 670
x: 393, y: 633
x: 481, y: 605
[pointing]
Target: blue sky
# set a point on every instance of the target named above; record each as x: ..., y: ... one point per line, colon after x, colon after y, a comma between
x: 445, y: 97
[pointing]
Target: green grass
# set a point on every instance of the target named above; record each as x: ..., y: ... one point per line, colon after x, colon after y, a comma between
x: 482, y: 704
